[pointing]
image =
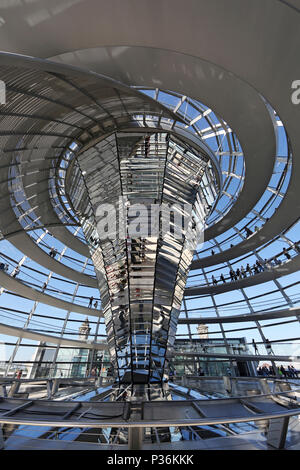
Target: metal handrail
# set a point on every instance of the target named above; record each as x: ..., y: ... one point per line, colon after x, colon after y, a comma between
x: 260, y: 395
x: 240, y: 378
x: 161, y: 423
x: 152, y: 423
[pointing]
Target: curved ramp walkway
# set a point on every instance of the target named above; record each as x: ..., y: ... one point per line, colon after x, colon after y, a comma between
x: 290, y: 312
x: 12, y: 284
x: 268, y: 275
x: 24, y: 333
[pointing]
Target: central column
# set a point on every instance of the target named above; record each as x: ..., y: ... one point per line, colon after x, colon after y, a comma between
x: 149, y: 197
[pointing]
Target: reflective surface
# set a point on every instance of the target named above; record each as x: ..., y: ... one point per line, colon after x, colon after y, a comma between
x: 142, y: 250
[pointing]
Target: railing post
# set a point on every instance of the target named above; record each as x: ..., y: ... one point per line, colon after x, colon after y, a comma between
x: 234, y: 387
x: 49, y: 388
x: 277, y: 432
x: 55, y: 387
x: 227, y: 384
x: 135, y: 438
x: 98, y: 382
x: 265, y: 387
x: 14, y: 388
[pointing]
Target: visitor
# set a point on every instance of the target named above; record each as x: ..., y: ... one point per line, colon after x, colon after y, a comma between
x: 147, y: 145
x: 213, y: 280
x: 222, y: 278
x: 52, y: 252
x: 255, y: 269
x: 122, y: 319
x: 248, y: 269
x: 91, y: 302
x: 156, y: 142
x: 266, y: 264
x: 283, y: 371
x: 271, y: 371
x: 16, y: 272
x: 286, y: 254
x: 254, y: 346
x: 260, y: 266
x: 248, y: 232
x: 243, y: 272
x: 268, y: 347
x: 294, y: 372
